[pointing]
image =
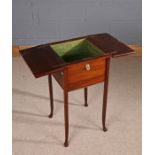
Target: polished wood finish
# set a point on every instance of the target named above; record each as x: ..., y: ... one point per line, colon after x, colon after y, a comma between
x: 85, y: 97
x: 51, y: 95
x: 110, y: 45
x: 59, y: 76
x: 105, y: 95
x: 42, y: 60
x: 79, y: 76
x: 83, y: 84
x: 66, y: 114
x: 15, y: 49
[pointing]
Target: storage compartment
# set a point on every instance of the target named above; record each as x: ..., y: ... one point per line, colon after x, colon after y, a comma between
x: 76, y: 50
x: 86, y: 73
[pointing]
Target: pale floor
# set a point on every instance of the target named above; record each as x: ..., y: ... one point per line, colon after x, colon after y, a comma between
x: 35, y: 134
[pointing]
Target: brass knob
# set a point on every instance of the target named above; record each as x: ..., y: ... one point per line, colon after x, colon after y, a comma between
x: 87, y: 67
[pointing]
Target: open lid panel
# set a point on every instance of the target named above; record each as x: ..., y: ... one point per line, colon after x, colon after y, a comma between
x: 52, y: 57
x: 42, y: 60
x: 110, y: 45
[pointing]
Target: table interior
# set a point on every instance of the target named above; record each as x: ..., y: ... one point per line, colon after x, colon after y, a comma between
x: 75, y: 50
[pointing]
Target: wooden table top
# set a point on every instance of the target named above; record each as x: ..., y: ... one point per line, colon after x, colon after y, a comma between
x: 43, y: 60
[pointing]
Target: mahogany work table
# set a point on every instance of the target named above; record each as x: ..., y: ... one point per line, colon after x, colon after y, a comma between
x: 76, y: 63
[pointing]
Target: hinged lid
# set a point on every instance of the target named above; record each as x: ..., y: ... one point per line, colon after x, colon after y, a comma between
x: 44, y: 59
x: 110, y: 45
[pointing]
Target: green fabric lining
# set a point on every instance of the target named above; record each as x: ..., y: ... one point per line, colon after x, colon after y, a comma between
x: 76, y: 50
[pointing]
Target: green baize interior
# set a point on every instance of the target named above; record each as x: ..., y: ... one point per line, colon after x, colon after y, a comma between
x: 75, y: 50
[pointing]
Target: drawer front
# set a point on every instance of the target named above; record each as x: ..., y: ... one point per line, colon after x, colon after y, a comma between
x: 86, y: 73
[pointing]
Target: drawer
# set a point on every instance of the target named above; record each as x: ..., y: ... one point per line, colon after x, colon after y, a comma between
x: 86, y: 73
